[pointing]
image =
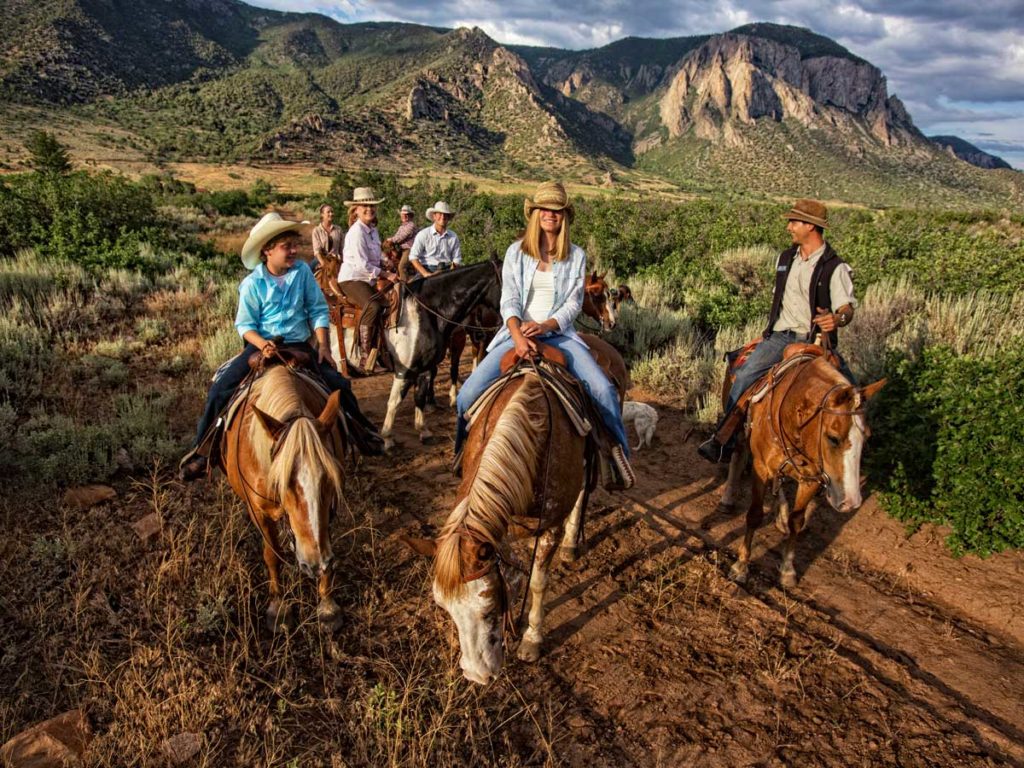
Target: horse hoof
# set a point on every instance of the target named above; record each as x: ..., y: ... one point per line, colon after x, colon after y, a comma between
x: 568, y: 554
x: 788, y: 579
x: 528, y: 651
x: 279, y: 620
x: 738, y: 573
x: 389, y: 443
x: 329, y: 617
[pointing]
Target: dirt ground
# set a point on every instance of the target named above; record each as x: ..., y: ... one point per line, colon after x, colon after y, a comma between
x: 889, y: 651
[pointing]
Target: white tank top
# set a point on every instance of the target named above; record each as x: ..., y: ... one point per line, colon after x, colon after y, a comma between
x: 541, y: 297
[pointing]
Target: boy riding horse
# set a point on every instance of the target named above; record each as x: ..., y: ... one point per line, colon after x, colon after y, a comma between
x: 279, y: 301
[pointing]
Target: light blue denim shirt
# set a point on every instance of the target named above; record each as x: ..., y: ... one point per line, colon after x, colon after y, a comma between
x: 289, y: 310
x: 517, y: 276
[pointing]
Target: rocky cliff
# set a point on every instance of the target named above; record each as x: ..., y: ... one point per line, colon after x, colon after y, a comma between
x: 737, y: 78
x: 964, y: 150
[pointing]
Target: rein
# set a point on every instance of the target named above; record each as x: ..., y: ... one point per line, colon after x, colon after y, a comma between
x: 468, y: 326
x: 794, y: 454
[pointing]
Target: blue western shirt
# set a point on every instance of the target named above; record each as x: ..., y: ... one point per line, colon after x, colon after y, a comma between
x: 289, y: 310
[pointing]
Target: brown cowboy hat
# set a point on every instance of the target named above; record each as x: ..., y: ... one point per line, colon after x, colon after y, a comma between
x: 810, y: 211
x: 550, y: 196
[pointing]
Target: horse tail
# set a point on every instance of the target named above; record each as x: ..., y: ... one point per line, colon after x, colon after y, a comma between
x: 503, y: 486
x: 303, y: 445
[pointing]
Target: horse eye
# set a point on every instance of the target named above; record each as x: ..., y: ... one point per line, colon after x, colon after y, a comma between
x: 833, y: 441
x: 485, y: 552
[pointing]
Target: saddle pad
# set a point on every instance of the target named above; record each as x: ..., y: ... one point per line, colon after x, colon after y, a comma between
x: 569, y: 399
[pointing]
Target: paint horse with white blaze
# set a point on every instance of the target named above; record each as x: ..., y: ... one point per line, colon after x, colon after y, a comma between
x: 432, y: 309
x: 810, y: 427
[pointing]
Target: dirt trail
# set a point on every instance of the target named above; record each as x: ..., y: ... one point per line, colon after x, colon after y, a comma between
x: 888, y: 652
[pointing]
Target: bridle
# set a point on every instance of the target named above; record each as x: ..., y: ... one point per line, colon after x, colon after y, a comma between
x: 795, y: 458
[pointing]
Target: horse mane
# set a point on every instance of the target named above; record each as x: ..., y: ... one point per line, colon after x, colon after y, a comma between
x: 503, y: 485
x: 279, y: 394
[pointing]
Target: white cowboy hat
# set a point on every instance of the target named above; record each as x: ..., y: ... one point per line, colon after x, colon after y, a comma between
x: 266, y: 229
x: 439, y: 207
x: 364, y: 196
x: 407, y: 209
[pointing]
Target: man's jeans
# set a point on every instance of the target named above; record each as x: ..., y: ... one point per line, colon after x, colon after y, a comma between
x: 579, y: 361
x: 765, y: 355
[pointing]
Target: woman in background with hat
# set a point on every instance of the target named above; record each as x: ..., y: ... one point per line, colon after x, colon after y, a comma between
x: 360, y: 266
x: 279, y: 302
x: 541, y: 294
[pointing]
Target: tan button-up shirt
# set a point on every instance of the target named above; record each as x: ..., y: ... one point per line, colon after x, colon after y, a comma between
x: 796, y: 306
x: 325, y: 242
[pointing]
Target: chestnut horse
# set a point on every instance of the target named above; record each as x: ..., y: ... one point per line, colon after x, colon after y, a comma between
x: 621, y: 295
x: 597, y: 301
x: 809, y: 427
x: 523, y: 475
x: 282, y: 455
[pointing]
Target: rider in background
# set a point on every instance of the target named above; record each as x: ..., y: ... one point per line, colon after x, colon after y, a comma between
x: 327, y: 237
x: 360, y: 265
x: 813, y: 294
x: 541, y: 294
x: 436, y: 247
x: 279, y: 301
x: 403, y: 238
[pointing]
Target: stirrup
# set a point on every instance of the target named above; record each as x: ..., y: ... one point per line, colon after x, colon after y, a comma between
x: 627, y: 478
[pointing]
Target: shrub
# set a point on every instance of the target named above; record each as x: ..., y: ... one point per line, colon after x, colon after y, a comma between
x: 641, y: 332
x: 220, y: 347
x: 26, y: 362
x: 947, y: 430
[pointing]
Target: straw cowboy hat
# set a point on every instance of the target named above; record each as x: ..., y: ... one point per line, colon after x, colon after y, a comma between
x: 407, y: 209
x: 266, y: 229
x: 810, y: 211
x: 550, y: 196
x: 364, y: 196
x: 439, y: 207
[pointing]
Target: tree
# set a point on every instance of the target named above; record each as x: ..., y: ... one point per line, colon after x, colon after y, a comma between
x: 47, y: 154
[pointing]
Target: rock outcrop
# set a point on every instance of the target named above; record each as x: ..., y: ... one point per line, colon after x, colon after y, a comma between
x: 969, y: 153
x: 735, y: 78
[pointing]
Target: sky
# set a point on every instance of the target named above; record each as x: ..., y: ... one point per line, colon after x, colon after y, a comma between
x: 958, y: 65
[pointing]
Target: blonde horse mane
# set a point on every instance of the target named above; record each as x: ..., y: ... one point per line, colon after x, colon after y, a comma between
x: 503, y: 486
x: 278, y: 393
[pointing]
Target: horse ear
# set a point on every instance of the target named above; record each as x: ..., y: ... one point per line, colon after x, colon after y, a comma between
x: 425, y: 547
x: 872, y: 389
x: 329, y: 416
x: 272, y: 426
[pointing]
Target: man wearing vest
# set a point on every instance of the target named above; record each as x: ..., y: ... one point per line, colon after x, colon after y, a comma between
x: 813, y: 294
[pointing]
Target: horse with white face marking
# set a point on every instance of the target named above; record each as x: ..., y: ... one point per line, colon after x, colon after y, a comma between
x: 810, y: 427
x: 432, y: 309
x: 282, y: 455
x: 523, y: 475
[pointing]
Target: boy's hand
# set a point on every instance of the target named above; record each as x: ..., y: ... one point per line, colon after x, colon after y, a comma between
x: 269, y: 350
x: 326, y: 356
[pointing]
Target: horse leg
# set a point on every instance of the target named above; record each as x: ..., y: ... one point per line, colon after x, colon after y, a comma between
x: 399, y: 389
x: 278, y: 615
x: 424, y: 391
x: 732, y: 482
x: 455, y: 349
x: 569, y: 550
x: 782, y: 509
x: 529, y: 647
x: 805, y: 492
x: 755, y: 514
x: 327, y: 611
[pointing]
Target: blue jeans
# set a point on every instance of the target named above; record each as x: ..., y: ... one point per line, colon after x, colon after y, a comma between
x: 224, y: 387
x: 578, y: 360
x: 765, y: 355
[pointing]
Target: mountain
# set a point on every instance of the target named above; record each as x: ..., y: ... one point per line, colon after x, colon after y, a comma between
x: 763, y: 109
x: 968, y: 152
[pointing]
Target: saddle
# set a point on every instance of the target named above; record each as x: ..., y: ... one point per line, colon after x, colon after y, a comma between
x: 349, y: 315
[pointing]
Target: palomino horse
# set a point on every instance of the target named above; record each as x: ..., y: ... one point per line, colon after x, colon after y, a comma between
x: 524, y: 472
x: 433, y: 309
x: 597, y: 302
x: 809, y: 427
x: 282, y: 455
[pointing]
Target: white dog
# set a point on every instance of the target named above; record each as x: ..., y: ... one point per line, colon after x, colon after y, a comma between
x: 644, y: 419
